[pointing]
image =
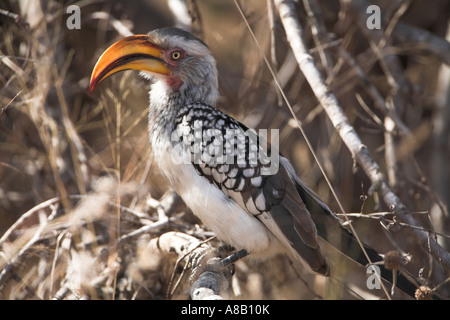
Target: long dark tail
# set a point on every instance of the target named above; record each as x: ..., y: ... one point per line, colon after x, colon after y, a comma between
x: 330, y: 229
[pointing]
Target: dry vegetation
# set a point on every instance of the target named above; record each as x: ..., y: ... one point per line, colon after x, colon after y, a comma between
x: 84, y: 212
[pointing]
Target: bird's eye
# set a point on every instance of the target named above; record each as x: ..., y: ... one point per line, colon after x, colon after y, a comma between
x: 176, y: 55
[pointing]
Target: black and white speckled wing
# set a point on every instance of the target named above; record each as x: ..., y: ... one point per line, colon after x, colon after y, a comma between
x: 236, y: 161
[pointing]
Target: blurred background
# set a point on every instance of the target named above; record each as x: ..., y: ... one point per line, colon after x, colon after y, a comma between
x: 76, y: 171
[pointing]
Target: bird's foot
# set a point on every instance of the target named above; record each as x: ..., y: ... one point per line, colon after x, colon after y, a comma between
x: 217, y: 264
x: 212, y: 262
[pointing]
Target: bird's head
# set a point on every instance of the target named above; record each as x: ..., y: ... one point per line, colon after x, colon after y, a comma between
x: 173, y: 58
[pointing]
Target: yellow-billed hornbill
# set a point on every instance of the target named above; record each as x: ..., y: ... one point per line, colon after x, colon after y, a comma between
x: 261, y: 211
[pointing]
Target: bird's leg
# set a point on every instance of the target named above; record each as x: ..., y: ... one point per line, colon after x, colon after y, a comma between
x: 226, y: 264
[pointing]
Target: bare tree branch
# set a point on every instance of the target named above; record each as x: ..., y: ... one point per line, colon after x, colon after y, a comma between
x: 423, y: 40
x: 348, y: 134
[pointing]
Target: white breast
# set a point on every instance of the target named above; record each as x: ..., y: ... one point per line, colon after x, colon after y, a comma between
x: 221, y: 214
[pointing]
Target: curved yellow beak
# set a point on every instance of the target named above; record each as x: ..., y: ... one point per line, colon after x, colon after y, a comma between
x: 136, y: 52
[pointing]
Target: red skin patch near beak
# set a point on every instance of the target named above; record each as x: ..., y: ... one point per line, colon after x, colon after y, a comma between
x: 174, y: 82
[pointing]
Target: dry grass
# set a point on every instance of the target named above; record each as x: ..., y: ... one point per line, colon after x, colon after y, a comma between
x: 79, y: 190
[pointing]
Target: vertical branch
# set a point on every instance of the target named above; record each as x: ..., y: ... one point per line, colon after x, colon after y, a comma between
x: 273, y: 45
x: 441, y: 133
x: 389, y: 151
x: 319, y: 33
x: 380, y: 45
x: 44, y: 52
x: 79, y: 158
x: 180, y: 13
x: 187, y: 15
